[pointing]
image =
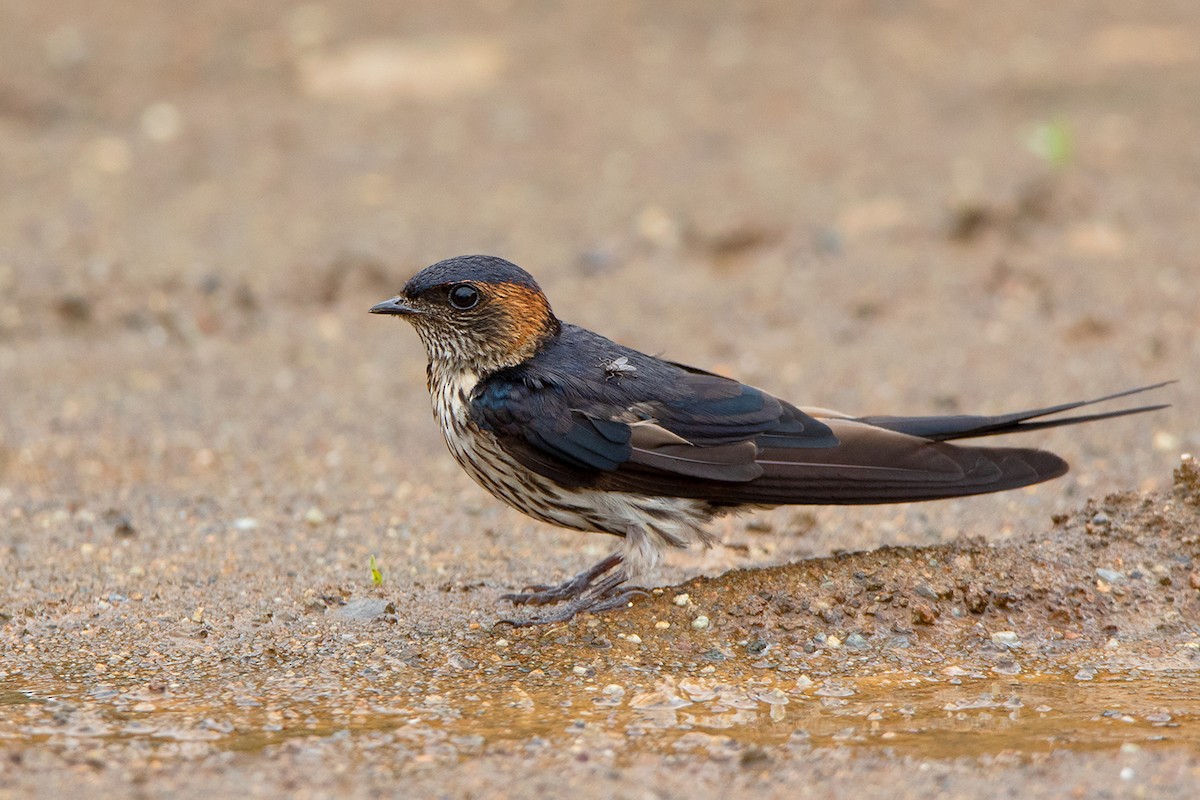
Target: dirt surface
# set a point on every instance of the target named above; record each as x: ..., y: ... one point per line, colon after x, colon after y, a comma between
x: 877, y: 207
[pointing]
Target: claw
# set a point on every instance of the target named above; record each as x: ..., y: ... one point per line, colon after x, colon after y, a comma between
x: 567, y: 590
x: 583, y: 591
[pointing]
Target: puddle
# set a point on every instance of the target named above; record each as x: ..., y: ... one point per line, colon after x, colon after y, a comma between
x: 936, y: 717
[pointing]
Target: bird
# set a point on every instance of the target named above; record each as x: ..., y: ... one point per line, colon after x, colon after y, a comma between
x: 579, y: 431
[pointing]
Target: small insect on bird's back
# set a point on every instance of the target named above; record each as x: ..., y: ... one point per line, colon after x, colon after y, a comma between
x: 579, y: 431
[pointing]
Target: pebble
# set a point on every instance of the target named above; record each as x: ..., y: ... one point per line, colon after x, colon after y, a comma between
x: 1007, y: 666
x: 856, y: 641
x: 774, y: 697
x: 161, y: 122
x: 1085, y: 674
x: 925, y: 591
x: 700, y: 623
x: 662, y: 624
x: 1007, y: 638
x: 1110, y: 575
x: 1100, y: 519
x: 364, y: 609
x: 923, y: 614
x: 633, y: 638
x: 681, y: 599
x: 314, y: 516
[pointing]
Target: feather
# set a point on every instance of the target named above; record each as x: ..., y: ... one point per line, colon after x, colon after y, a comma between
x: 660, y: 428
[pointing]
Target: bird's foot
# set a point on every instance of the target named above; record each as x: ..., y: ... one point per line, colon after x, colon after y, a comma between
x: 608, y: 596
x: 605, y: 595
x: 571, y: 589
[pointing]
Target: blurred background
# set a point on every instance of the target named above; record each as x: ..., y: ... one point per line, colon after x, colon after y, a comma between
x: 883, y: 206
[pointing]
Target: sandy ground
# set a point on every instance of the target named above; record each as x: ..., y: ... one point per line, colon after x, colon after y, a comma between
x: 881, y: 207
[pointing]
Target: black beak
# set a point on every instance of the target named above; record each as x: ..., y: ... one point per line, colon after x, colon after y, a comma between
x: 394, y: 306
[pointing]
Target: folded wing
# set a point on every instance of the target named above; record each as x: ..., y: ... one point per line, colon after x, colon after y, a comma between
x: 686, y: 433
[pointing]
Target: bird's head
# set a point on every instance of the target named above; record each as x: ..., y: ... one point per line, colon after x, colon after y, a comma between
x: 475, y: 312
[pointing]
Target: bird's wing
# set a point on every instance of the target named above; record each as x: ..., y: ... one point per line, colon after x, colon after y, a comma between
x: 696, y: 426
x: 703, y: 436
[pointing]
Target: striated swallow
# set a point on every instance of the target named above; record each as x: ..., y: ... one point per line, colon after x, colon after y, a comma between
x: 576, y: 430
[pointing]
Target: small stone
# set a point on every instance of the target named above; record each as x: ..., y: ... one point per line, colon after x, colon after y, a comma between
x: 122, y: 526
x: 681, y: 599
x: 924, y: 614
x: 314, y: 516
x: 633, y: 638
x: 924, y: 590
x: 1110, y: 575
x: 662, y: 624
x: 365, y: 609
x: 856, y: 641
x: 700, y: 623
x: 1006, y: 638
x: 975, y: 600
x: 161, y: 122
x: 1085, y: 674
x: 245, y: 523
x: 1007, y: 666
x: 1194, y: 580
x: 833, y: 642
x: 1165, y: 441
x: 1100, y: 518
x: 143, y: 707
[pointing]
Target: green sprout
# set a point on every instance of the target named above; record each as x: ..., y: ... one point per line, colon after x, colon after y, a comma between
x: 376, y: 574
x: 1052, y: 142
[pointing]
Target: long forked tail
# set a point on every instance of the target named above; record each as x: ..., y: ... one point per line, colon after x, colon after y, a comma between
x: 905, y: 459
x: 967, y: 426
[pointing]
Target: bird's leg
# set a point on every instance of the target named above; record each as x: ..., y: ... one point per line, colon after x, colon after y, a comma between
x: 570, y: 589
x: 605, y: 595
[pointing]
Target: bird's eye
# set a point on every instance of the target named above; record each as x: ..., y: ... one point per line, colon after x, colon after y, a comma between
x: 464, y: 296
